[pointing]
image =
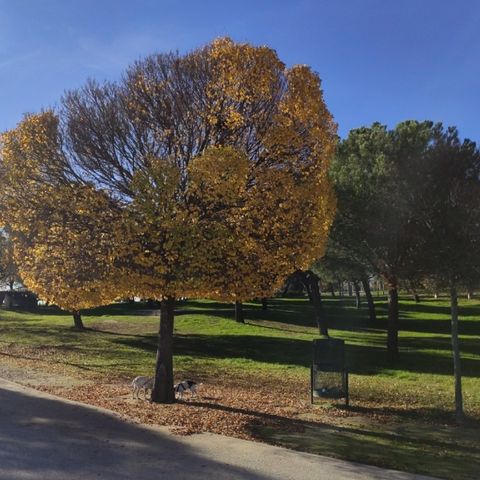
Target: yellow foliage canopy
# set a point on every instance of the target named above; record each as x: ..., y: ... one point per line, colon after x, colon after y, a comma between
x: 210, y: 180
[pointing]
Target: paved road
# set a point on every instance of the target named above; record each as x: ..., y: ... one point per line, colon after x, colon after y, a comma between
x: 46, y: 438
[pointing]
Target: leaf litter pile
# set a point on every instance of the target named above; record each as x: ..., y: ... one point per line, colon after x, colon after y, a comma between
x: 220, y: 407
x: 227, y: 404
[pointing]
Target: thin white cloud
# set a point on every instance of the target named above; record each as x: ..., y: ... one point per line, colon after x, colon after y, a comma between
x: 8, y: 62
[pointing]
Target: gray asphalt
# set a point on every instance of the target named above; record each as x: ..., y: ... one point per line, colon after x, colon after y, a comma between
x: 48, y: 438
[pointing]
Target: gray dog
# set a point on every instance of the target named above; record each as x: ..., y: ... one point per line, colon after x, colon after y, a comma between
x: 142, y: 383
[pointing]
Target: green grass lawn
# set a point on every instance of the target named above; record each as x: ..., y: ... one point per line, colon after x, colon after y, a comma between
x: 400, y: 415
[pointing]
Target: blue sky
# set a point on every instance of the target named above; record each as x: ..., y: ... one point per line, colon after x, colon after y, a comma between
x: 379, y: 60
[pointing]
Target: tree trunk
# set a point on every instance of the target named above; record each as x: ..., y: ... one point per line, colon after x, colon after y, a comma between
x: 392, y: 340
x: 358, y: 300
x: 8, y: 300
x: 411, y: 288
x: 457, y: 372
x: 264, y: 303
x: 286, y: 287
x: 332, y: 289
x: 368, y: 294
x: 435, y: 296
x: 310, y: 280
x: 163, y: 383
x: 469, y: 295
x: 77, y: 320
x: 350, y: 289
x: 239, y: 312
x: 340, y: 289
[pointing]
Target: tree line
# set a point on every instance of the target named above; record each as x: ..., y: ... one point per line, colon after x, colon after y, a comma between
x: 408, y: 213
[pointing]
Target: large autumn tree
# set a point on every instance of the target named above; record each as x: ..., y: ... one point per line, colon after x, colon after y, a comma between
x: 217, y: 163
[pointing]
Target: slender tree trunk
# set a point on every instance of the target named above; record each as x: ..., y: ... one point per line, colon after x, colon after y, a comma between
x: 332, y: 289
x: 264, y: 303
x: 340, y: 289
x: 163, y: 383
x: 415, y: 295
x: 393, y: 321
x: 350, y: 289
x: 368, y: 294
x: 239, y: 312
x: 358, y: 300
x: 435, y: 296
x: 469, y: 295
x: 77, y: 320
x: 310, y: 280
x: 286, y: 287
x: 457, y: 372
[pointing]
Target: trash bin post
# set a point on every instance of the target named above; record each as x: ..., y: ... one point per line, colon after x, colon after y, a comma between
x: 329, y: 375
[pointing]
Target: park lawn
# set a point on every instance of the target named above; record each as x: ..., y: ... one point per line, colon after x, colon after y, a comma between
x: 256, y: 376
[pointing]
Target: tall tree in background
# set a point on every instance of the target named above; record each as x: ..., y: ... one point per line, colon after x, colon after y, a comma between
x: 379, y: 175
x: 311, y: 282
x: 450, y: 215
x: 342, y: 264
x: 217, y: 162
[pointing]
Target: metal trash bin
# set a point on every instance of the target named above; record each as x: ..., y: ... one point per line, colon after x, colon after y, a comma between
x: 329, y: 375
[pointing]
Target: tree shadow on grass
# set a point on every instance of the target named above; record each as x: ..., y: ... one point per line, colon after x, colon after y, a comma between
x: 394, y: 449
x: 262, y: 349
x: 415, y: 413
x: 443, y: 345
x: 363, y: 360
x: 293, y: 312
x: 439, y: 326
x: 341, y: 315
